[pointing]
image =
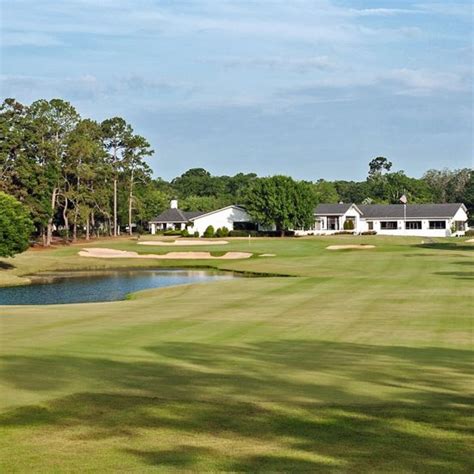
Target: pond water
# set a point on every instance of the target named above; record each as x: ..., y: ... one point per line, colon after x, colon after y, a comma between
x: 86, y: 287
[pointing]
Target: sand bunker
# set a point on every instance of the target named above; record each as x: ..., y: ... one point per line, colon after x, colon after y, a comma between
x: 267, y: 255
x: 470, y: 241
x: 342, y: 247
x: 112, y: 253
x: 183, y: 242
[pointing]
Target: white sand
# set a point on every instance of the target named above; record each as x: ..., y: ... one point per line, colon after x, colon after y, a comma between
x: 470, y: 241
x: 112, y: 253
x: 342, y: 247
x: 183, y: 242
x: 267, y: 255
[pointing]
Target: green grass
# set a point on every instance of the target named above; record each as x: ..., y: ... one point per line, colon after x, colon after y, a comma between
x: 361, y: 363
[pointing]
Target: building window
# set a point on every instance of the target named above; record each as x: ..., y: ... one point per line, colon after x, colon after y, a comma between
x: 370, y: 225
x: 413, y: 225
x: 388, y: 225
x: 437, y: 224
x: 244, y: 225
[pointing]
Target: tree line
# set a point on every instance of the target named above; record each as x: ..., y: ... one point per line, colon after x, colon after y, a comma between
x: 80, y: 178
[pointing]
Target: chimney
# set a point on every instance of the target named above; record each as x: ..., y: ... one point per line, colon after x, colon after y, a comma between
x: 174, y: 204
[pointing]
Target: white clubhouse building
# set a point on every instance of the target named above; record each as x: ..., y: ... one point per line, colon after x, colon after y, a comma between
x: 233, y: 217
x: 424, y: 220
x: 427, y: 220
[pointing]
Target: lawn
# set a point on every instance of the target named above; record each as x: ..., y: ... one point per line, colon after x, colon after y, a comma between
x: 359, y: 362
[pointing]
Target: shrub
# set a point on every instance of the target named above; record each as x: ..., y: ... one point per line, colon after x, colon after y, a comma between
x: 218, y: 232
x: 243, y: 233
x: 348, y: 225
x: 224, y: 232
x: 185, y: 233
x: 469, y: 233
x: 344, y: 232
x: 369, y: 232
x: 172, y: 232
x: 196, y: 234
x: 209, y: 232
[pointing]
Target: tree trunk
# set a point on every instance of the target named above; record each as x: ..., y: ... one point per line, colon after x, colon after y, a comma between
x: 94, y: 230
x: 66, y: 219
x: 88, y: 228
x: 130, y: 201
x: 49, y: 231
x: 74, y: 225
x: 115, y: 207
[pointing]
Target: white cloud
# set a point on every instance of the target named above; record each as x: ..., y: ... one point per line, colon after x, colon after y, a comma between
x: 302, y: 64
x: 20, y: 38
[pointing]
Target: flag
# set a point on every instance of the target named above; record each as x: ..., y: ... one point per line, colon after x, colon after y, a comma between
x: 404, y: 199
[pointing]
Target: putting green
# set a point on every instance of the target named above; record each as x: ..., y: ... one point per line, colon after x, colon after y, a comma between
x: 361, y: 362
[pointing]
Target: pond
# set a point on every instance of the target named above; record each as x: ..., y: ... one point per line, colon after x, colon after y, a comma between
x: 94, y: 286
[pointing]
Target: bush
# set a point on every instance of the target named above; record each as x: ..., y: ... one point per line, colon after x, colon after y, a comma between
x: 224, y: 232
x: 243, y: 233
x: 185, y: 233
x: 173, y: 232
x: 344, y: 232
x: 196, y: 234
x: 209, y: 232
x: 348, y: 225
x: 469, y: 233
x: 369, y: 232
x: 218, y: 232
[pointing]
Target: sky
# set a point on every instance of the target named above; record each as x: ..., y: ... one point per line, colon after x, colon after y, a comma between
x: 308, y: 88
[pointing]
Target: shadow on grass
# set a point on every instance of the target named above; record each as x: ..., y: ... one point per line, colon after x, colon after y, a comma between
x: 6, y: 266
x: 318, y: 405
x: 446, y: 246
x: 458, y: 275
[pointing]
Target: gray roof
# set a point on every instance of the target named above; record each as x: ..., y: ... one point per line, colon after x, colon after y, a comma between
x: 332, y: 209
x: 393, y: 211
x: 413, y: 211
x: 176, y: 215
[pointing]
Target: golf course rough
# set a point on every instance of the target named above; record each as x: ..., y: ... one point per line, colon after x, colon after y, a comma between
x: 360, y: 363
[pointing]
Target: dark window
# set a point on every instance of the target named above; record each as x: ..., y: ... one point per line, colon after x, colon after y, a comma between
x: 370, y: 225
x: 413, y: 225
x: 437, y: 224
x: 245, y: 226
x: 386, y: 225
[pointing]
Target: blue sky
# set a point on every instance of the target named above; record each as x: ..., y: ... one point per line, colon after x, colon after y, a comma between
x: 309, y: 88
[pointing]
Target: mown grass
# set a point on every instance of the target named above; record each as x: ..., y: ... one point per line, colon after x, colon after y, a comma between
x: 361, y: 363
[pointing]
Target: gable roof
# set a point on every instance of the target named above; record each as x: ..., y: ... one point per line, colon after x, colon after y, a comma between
x: 413, y: 211
x: 202, y: 214
x: 175, y: 216
x: 333, y: 209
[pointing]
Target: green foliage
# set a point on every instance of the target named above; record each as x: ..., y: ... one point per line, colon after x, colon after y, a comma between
x: 325, y: 192
x: 281, y: 202
x: 15, y: 226
x: 378, y: 166
x: 209, y: 232
x: 196, y: 234
x: 348, y: 224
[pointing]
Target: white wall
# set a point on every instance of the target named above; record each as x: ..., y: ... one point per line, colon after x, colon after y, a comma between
x: 425, y: 230
x: 221, y: 218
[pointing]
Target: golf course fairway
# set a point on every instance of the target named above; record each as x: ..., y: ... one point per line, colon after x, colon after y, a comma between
x: 347, y: 361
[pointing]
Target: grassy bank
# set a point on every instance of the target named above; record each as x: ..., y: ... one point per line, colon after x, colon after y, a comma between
x: 362, y: 363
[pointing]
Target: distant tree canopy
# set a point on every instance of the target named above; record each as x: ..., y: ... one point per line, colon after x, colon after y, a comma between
x: 15, y: 226
x: 80, y: 178
x: 282, y: 202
